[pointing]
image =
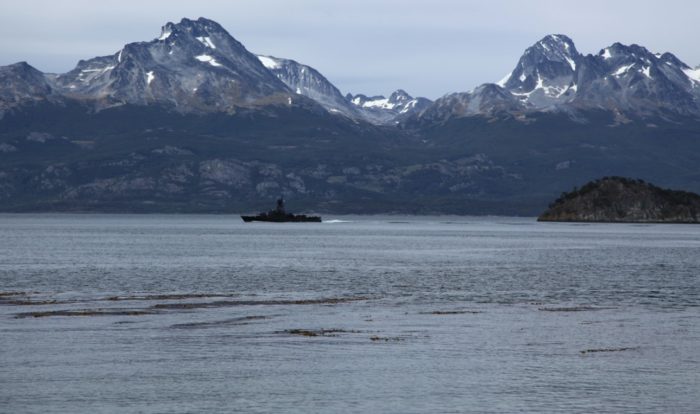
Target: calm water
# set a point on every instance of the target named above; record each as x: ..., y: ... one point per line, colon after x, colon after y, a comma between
x: 164, y: 314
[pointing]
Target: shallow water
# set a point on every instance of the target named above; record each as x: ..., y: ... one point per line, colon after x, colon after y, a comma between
x: 150, y: 313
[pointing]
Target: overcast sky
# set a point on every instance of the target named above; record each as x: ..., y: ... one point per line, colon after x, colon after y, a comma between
x: 428, y: 48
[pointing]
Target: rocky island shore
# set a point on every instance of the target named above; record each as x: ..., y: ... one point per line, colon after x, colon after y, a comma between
x: 624, y: 200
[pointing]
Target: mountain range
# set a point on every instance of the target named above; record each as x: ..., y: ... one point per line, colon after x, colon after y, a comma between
x: 193, y: 121
x: 552, y: 75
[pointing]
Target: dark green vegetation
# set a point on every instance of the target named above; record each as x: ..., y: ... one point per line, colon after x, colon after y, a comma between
x: 617, y: 199
x: 148, y: 159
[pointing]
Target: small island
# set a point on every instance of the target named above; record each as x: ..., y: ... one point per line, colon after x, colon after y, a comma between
x: 624, y: 200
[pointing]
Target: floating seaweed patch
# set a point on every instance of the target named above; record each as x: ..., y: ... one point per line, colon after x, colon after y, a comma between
x: 572, y: 309
x: 594, y: 350
x: 450, y: 312
x: 376, y: 338
x: 174, y: 296
x: 86, y: 312
x: 243, y: 320
x: 6, y: 294
x: 231, y: 303
x: 34, y: 302
x: 317, y: 332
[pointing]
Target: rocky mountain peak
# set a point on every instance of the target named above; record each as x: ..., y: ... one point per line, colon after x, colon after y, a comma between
x: 199, y: 30
x: 20, y: 82
x: 555, y: 47
x: 19, y: 66
x: 399, y: 96
x: 550, y: 51
x: 22, y: 70
x: 671, y: 59
x: 194, y: 66
x: 201, y: 36
x: 382, y: 110
x: 619, y: 53
x: 490, y: 90
x: 545, y: 72
x: 627, y: 80
x: 633, y: 80
x: 485, y: 100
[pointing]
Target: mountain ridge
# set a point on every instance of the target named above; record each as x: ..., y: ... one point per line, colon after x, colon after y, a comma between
x: 193, y: 66
x: 552, y: 75
x: 211, y: 128
x: 184, y: 69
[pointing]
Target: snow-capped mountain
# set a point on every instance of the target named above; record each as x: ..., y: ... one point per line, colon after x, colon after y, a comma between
x: 196, y: 66
x: 635, y: 81
x: 545, y: 74
x: 193, y: 66
x: 205, y: 125
x: 552, y: 75
x: 379, y: 109
x: 307, y: 81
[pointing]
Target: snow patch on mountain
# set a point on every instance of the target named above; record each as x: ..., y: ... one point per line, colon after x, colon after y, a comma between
x: 504, y: 80
x: 208, y: 59
x: 380, y: 109
x: 409, y: 106
x: 382, y: 103
x: 623, y: 69
x: 269, y: 62
x: 693, y: 75
x: 206, y: 41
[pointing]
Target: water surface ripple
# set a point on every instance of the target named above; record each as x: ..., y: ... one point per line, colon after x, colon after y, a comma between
x: 158, y: 313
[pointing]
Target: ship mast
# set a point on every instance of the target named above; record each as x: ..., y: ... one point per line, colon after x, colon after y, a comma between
x: 280, y: 205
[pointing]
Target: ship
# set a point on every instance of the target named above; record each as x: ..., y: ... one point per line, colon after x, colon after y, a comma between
x: 279, y: 215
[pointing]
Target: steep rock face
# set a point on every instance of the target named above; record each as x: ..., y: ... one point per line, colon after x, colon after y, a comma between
x: 194, y: 65
x: 307, y: 81
x: 617, y: 199
x: 398, y: 106
x: 545, y: 74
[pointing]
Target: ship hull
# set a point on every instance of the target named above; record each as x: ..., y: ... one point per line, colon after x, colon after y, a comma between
x: 284, y: 219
